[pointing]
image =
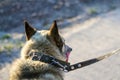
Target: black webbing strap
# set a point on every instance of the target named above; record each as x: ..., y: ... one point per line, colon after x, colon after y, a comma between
x: 91, y: 61
x: 81, y: 64
x: 61, y: 64
x: 49, y: 59
x: 66, y: 66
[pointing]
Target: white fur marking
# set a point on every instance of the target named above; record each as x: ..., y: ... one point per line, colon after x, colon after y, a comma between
x: 40, y: 36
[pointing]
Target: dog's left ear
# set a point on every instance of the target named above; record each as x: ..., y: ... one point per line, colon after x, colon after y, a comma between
x: 29, y: 31
x: 54, y: 29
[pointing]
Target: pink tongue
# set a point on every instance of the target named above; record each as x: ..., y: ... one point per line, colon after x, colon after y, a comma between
x: 67, y: 56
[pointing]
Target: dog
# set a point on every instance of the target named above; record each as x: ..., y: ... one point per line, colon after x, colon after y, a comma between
x: 48, y: 42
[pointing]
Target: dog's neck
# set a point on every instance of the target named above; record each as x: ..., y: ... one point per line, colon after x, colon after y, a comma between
x: 44, y: 47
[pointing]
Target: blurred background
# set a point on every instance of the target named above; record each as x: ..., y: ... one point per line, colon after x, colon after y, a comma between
x: 90, y: 27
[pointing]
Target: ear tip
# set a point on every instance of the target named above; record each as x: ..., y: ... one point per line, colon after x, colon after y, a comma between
x: 25, y: 22
x: 55, y: 21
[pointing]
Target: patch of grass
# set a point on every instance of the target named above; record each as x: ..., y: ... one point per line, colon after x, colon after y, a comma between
x: 8, y: 47
x: 19, y: 44
x: 92, y: 11
x: 9, y: 44
x: 6, y: 36
x: 1, y: 49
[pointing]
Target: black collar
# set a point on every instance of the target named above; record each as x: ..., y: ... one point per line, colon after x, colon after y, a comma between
x: 36, y: 56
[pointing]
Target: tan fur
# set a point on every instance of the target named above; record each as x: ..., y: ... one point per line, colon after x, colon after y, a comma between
x: 42, y: 41
x: 32, y: 68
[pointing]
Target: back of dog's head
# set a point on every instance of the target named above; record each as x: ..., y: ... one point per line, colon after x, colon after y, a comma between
x: 44, y: 41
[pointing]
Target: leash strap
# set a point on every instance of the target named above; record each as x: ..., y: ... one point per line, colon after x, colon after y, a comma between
x: 61, y: 64
x: 91, y: 61
x: 66, y: 66
x: 81, y: 64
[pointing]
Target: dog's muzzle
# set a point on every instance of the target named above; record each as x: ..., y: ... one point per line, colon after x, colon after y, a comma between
x: 69, y: 49
x: 67, y: 52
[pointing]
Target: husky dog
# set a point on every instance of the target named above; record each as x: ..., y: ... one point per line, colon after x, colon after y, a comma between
x: 49, y: 42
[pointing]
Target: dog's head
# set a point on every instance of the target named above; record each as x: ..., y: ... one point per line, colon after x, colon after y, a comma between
x: 46, y: 41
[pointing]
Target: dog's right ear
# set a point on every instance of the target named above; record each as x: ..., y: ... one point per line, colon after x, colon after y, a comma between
x: 29, y: 31
x: 54, y: 29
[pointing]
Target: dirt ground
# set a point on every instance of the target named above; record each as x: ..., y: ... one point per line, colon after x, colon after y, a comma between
x: 41, y: 13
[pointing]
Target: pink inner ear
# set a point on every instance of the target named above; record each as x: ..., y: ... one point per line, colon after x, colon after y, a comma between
x: 67, y: 56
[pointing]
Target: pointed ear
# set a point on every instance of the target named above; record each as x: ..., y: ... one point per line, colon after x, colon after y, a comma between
x: 29, y: 31
x: 54, y: 29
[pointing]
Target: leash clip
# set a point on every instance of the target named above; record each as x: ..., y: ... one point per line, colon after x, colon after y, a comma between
x: 63, y: 67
